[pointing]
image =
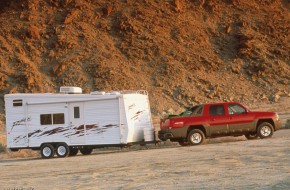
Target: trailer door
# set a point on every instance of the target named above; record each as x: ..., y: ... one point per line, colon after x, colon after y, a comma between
x: 77, y: 125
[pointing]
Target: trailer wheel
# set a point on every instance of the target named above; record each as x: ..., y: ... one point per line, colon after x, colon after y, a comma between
x: 47, y: 151
x: 62, y: 150
x: 86, y: 151
x: 73, y: 151
x: 14, y: 149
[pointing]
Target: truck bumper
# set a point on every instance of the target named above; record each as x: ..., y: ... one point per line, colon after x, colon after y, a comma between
x: 278, y: 124
x: 176, y: 133
x: 164, y: 135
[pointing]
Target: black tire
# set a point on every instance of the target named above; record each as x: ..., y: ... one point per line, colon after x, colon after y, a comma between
x: 73, y: 151
x: 86, y: 151
x: 251, y: 136
x: 62, y: 150
x: 47, y: 151
x: 14, y: 149
x: 182, y: 143
x: 265, y: 130
x: 195, y: 137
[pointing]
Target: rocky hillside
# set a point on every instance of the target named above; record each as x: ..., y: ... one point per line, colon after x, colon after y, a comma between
x: 182, y: 51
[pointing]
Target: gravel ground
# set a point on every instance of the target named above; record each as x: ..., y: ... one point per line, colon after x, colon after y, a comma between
x: 223, y: 163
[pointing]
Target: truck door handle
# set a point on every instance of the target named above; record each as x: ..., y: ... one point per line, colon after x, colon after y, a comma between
x: 213, y: 119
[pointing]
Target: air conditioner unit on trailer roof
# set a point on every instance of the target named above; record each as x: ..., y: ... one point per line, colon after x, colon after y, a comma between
x: 70, y: 90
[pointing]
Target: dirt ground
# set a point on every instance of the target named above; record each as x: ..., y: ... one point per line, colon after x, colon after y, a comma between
x: 223, y: 163
x: 182, y: 52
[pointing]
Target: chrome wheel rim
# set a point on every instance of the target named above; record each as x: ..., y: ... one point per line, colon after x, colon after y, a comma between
x: 196, y: 138
x: 61, y: 150
x: 46, y: 151
x: 265, y: 131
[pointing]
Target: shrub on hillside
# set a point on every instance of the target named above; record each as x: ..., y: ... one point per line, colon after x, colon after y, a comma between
x: 7, y: 3
x: 287, y: 125
x: 2, y: 148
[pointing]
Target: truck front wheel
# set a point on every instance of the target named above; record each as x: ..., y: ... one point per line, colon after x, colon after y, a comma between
x: 195, y: 137
x: 265, y: 130
x: 47, y: 151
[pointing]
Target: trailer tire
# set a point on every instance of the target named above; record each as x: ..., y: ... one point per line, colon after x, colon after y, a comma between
x: 86, y: 151
x: 62, y: 150
x: 14, y: 149
x: 73, y: 151
x: 47, y: 151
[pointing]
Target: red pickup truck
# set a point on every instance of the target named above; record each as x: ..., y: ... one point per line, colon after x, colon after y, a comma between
x: 216, y: 120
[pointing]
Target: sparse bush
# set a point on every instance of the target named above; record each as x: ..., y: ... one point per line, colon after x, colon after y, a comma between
x: 7, y: 3
x: 287, y: 125
x: 4, y: 3
x: 2, y: 148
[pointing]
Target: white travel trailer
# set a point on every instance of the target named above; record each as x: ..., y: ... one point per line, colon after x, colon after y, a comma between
x: 66, y: 122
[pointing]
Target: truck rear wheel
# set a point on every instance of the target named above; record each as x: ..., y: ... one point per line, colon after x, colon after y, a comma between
x: 62, y: 150
x: 195, y: 137
x: 86, y: 151
x: 47, y: 151
x: 265, y: 130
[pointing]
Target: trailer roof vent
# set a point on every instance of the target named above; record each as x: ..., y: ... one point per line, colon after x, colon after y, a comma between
x: 70, y: 90
x: 98, y: 93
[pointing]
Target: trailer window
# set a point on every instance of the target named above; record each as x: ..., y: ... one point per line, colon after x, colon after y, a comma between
x: 76, y: 112
x: 58, y: 118
x: 45, y: 119
x: 52, y: 119
x: 17, y: 103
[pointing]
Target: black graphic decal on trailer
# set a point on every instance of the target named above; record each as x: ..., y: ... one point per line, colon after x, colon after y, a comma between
x: 66, y: 131
x: 137, y: 115
x: 20, y: 122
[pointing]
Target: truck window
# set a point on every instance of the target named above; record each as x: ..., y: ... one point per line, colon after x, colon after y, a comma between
x: 198, y: 110
x: 235, y: 109
x: 17, y: 103
x: 216, y: 110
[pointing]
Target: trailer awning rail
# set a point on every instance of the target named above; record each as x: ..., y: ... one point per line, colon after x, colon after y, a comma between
x: 144, y: 92
x: 72, y: 101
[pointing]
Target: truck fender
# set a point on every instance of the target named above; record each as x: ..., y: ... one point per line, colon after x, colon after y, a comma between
x: 200, y: 127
